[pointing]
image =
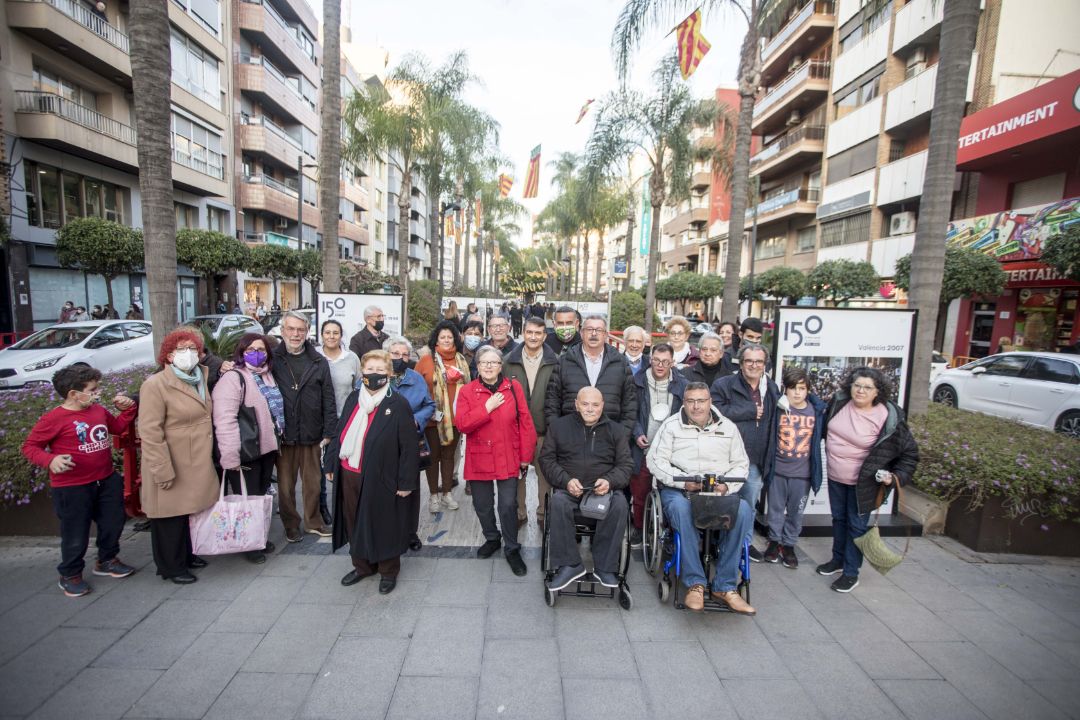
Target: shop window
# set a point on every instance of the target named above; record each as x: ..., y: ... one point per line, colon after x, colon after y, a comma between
x: 1050, y: 370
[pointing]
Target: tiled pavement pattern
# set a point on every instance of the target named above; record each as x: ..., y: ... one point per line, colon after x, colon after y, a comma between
x: 946, y: 635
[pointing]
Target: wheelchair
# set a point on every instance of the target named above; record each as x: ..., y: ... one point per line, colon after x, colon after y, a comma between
x: 660, y: 550
x: 588, y: 586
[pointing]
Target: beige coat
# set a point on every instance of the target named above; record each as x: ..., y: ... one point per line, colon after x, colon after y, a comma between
x: 177, y: 441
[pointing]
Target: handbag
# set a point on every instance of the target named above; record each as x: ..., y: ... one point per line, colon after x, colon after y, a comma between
x: 249, y: 426
x: 594, y: 506
x: 873, y: 547
x: 235, y: 523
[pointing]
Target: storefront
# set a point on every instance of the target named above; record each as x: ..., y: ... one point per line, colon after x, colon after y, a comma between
x: 1025, y: 151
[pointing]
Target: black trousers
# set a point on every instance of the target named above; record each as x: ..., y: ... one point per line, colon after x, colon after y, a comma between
x: 483, y: 498
x: 100, y: 502
x: 257, y: 475
x: 171, y: 542
x: 606, y: 542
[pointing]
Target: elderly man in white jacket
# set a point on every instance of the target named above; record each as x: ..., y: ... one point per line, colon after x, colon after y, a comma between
x: 695, y: 442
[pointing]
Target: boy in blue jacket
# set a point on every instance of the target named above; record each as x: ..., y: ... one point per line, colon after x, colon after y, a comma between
x: 797, y: 469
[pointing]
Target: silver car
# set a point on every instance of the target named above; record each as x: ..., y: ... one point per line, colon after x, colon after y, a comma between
x: 1036, y: 388
x: 106, y: 345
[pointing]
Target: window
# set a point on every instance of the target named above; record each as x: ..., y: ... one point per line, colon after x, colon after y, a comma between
x: 72, y: 197
x: 197, y: 146
x: 217, y: 219
x: 186, y: 215
x: 806, y: 240
x: 1055, y: 371
x: 378, y: 197
x: 135, y: 330
x: 853, y: 161
x: 195, y: 69
x: 54, y: 197
x: 1007, y: 366
x: 858, y: 96
x: 207, y: 12
x: 851, y: 229
x: 378, y: 230
x: 49, y: 82
x: 874, y: 15
x: 108, y: 335
x: 311, y: 190
x: 771, y: 248
x: 378, y: 261
x: 49, y: 181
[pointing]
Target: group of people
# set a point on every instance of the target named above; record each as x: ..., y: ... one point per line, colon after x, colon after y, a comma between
x: 591, y: 419
x: 70, y: 312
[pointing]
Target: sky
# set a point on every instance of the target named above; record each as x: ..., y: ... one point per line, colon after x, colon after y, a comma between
x: 538, y: 61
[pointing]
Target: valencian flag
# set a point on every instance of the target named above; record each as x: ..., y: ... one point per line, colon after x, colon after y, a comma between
x: 692, y: 45
x: 584, y: 109
x: 505, y: 183
x: 532, y: 178
x: 478, y: 210
x: 448, y: 225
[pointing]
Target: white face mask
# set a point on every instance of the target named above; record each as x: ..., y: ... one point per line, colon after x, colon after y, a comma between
x: 185, y: 359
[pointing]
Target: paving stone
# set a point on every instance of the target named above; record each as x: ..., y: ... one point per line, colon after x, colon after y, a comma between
x: 30, y: 678
x: 35, y: 617
x: 837, y: 685
x: 98, y: 693
x: 515, y: 611
x: 519, y: 678
x: 357, y: 680
x: 1028, y: 659
x: 19, y: 583
x: 981, y: 625
x: 622, y: 699
x: 131, y: 599
x: 163, y: 636
x: 744, y: 660
x: 929, y: 700
x: 652, y: 620
x: 300, y: 640
x: 224, y: 578
x: 853, y: 625
x: 392, y: 615
x: 300, y: 565
x: 891, y: 659
x: 1065, y: 694
x: 930, y: 590
x: 324, y: 586
x: 679, y: 681
x: 447, y: 641
x: 771, y: 700
x: 912, y: 622
x: 190, y: 686
x: 423, y: 698
x: 593, y: 645
x: 461, y: 582
x: 989, y: 686
x: 1028, y: 615
x: 1066, y: 649
x: 258, y: 607
x: 266, y: 696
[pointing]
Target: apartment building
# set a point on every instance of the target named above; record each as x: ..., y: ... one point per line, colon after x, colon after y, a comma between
x: 70, y: 142
x: 418, y: 254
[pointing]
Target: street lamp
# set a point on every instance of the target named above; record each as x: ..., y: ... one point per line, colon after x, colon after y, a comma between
x: 444, y: 208
x: 300, y: 167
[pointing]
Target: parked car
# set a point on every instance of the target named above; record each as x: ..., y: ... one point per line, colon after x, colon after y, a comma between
x: 937, y: 363
x: 106, y: 345
x: 313, y: 332
x: 1036, y: 388
x: 220, y: 326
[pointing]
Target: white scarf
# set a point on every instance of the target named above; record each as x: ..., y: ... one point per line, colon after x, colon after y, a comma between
x: 352, y: 446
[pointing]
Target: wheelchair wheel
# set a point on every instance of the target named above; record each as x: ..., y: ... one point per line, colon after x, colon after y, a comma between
x: 625, y: 601
x: 549, y: 597
x: 651, y: 531
x: 663, y: 590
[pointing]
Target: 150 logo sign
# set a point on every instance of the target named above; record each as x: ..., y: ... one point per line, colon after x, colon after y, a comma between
x: 795, y: 329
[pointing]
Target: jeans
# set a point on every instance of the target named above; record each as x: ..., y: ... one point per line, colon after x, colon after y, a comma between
x: 751, y: 490
x: 787, y: 500
x: 847, y: 524
x: 681, y: 520
x: 101, y: 502
x: 483, y: 497
x: 606, y: 541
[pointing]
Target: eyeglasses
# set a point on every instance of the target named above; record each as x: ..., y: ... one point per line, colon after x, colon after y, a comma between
x: 489, y: 363
x: 692, y: 401
x: 754, y: 363
x: 594, y: 331
x: 660, y: 363
x: 677, y: 332
x: 864, y: 388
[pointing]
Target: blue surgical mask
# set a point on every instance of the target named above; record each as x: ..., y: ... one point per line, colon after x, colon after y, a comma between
x: 473, y: 341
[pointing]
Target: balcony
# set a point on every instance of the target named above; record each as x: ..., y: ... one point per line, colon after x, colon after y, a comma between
x: 912, y: 100
x: 694, y: 213
x: 268, y: 238
x: 356, y: 194
x: 262, y: 193
x: 416, y: 253
x: 84, y: 37
x: 901, y: 180
x: 917, y: 22
x: 262, y: 137
x: 352, y: 232
x: 805, y: 87
x: 277, y: 39
x: 861, y: 57
x: 793, y: 148
x: 800, y: 36
x: 263, y: 79
x: 700, y: 179
x: 72, y: 128
x: 797, y: 201
x: 302, y: 13
x: 858, y: 125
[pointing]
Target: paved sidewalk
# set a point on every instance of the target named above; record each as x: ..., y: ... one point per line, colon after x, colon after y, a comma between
x: 945, y: 635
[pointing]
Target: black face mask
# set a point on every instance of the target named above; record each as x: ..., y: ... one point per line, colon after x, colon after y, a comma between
x: 374, y: 381
x: 379, y: 325
x: 399, y: 365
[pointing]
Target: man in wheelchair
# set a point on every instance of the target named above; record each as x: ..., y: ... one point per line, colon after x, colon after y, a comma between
x: 696, y: 442
x: 586, y: 453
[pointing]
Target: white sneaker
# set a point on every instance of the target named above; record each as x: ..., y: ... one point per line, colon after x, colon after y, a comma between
x: 434, y: 505
x: 449, y: 502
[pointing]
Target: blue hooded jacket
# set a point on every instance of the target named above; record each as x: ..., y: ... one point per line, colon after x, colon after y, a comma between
x: 816, y: 444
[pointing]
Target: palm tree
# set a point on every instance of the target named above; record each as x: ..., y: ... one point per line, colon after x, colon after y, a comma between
x: 658, y: 127
x: 958, y: 28
x: 762, y: 16
x: 378, y: 122
x: 560, y: 218
x: 330, y: 147
x: 148, y: 26
x: 499, y: 217
x: 606, y: 208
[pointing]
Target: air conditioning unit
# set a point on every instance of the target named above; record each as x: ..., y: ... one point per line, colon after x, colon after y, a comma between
x: 918, y: 56
x: 796, y: 61
x: 794, y: 118
x: 902, y: 223
x: 281, y: 224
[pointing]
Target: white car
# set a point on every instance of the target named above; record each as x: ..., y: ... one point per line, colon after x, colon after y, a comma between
x: 220, y: 326
x: 1036, y: 388
x: 313, y: 331
x: 106, y: 345
x: 937, y: 363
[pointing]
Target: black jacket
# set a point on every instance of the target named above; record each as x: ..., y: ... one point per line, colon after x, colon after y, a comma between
x: 895, y: 450
x: 676, y: 386
x: 731, y: 396
x: 614, y: 383
x: 390, y: 462
x: 572, y: 450
x: 696, y: 373
x: 364, y: 341
x: 558, y: 347
x: 310, y: 407
x: 728, y: 364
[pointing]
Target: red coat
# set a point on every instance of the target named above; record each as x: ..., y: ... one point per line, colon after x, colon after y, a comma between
x: 495, y: 445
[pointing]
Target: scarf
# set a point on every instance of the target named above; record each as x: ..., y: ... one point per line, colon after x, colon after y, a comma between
x: 272, y: 396
x: 494, y: 387
x: 442, y: 393
x: 194, y: 380
x: 658, y: 394
x: 352, y: 445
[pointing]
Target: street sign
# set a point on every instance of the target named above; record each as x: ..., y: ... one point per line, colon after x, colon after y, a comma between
x: 619, y: 269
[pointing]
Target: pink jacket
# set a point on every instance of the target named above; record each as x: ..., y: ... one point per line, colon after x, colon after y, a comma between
x: 226, y: 404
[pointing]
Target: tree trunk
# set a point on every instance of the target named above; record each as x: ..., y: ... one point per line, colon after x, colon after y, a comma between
x: 404, y: 196
x: 479, y: 260
x: 583, y: 264
x: 629, y: 249
x: 148, y: 28
x: 330, y: 148
x: 273, y: 281
x: 749, y: 78
x: 109, y: 291
x: 599, y: 260
x: 654, y: 256
x: 465, y: 250
x: 958, y: 29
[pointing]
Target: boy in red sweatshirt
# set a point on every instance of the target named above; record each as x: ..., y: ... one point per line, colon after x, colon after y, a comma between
x: 73, y: 442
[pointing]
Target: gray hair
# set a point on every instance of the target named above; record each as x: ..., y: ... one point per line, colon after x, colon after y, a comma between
x: 637, y: 329
x: 296, y: 315
x: 695, y: 386
x: 487, y: 350
x: 747, y: 347
x: 397, y: 340
x: 601, y: 318
x: 710, y: 336
x: 372, y: 310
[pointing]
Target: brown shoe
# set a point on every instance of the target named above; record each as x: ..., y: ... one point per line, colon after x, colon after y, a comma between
x: 695, y: 598
x: 734, y: 601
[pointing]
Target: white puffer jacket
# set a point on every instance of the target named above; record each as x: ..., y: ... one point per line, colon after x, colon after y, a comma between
x: 681, y: 448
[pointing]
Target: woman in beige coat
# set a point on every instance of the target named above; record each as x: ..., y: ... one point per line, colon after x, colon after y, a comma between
x: 176, y: 428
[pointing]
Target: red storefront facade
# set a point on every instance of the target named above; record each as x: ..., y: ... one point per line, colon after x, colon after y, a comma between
x: 1024, y: 149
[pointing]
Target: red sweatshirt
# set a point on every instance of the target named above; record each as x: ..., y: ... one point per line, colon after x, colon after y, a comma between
x: 82, y: 434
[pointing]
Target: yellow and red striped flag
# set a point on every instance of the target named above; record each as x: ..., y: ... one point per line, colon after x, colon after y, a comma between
x: 692, y: 44
x: 505, y: 183
x: 478, y: 214
x: 532, y: 178
x: 584, y: 109
x: 448, y: 225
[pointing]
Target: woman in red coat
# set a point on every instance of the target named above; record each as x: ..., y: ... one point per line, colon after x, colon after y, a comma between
x: 494, y: 415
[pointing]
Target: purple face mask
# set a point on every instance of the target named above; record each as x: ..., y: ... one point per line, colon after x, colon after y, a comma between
x: 255, y: 358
